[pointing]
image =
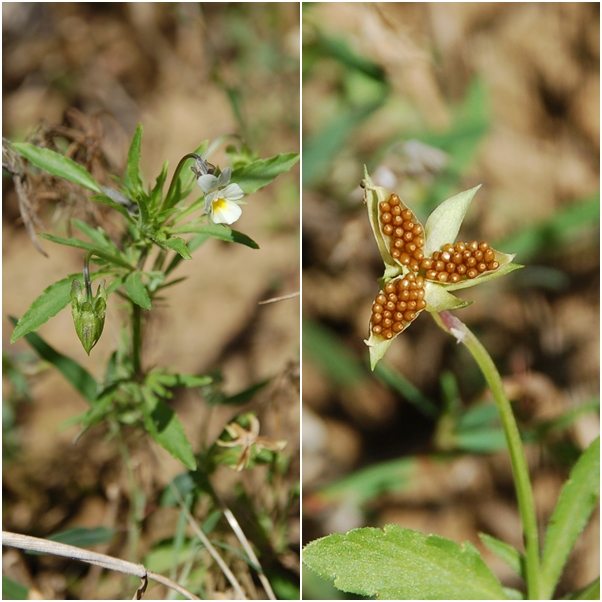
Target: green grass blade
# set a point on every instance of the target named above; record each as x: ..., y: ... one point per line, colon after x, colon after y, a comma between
x: 218, y: 231
x: 509, y: 554
x: 132, y: 176
x: 57, y: 165
x: 80, y: 378
x: 577, y: 501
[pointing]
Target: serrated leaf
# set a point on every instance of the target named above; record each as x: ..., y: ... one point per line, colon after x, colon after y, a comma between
x: 401, y: 564
x: 262, y: 172
x: 218, y: 231
x: 444, y: 222
x: 79, y: 377
x: 165, y: 428
x: 57, y: 165
x: 136, y: 291
x: 577, y: 501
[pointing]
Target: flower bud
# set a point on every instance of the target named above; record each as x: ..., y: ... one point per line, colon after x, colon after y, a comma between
x: 88, y: 313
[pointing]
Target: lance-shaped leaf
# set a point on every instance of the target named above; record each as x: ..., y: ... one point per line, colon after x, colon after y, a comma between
x: 260, y: 173
x: 57, y: 165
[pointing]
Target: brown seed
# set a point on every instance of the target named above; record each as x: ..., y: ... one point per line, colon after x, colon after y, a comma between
x: 404, y: 259
x: 494, y: 265
x: 472, y: 273
x: 381, y: 299
x: 420, y: 293
x: 460, y: 247
x: 420, y: 304
x: 392, y: 297
x: 455, y: 277
x: 473, y: 246
x: 457, y: 257
x: 488, y: 256
x: 436, y: 255
x: 407, y: 215
x: 446, y: 256
x: 418, y: 255
x: 484, y: 246
x: 411, y: 247
x: 419, y: 240
x: 442, y: 276
x: 390, y: 287
x: 461, y: 269
x: 401, y: 306
x: 388, y: 229
x: 409, y: 315
x: 427, y: 263
x: 448, y: 248
x: 377, y: 329
x: 397, y: 327
x: 397, y: 220
x: 398, y: 316
x: 404, y: 295
x: 403, y: 284
x: 385, y: 218
x: 387, y: 334
x: 408, y: 226
x: 398, y: 243
x: 478, y: 255
x: 412, y: 305
x: 384, y: 207
x: 377, y: 308
x: 377, y: 318
x: 387, y: 314
x: 390, y: 306
x: 450, y: 267
x: 414, y: 264
x: 408, y: 236
x: 396, y: 210
x: 419, y: 282
x: 394, y: 200
x: 439, y: 265
x: 431, y: 274
x: 471, y: 262
x: 418, y: 230
x: 396, y: 253
x: 481, y: 267
x: 387, y: 322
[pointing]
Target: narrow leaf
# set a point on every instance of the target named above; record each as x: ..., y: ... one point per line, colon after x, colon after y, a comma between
x: 262, y: 172
x: 218, y: 231
x: 57, y: 165
x: 82, y: 244
x: 98, y: 236
x: 136, y: 291
x: 132, y: 178
x: 83, y: 537
x: 165, y: 428
x: 401, y: 564
x: 80, y: 378
x: 509, y: 554
x: 577, y: 501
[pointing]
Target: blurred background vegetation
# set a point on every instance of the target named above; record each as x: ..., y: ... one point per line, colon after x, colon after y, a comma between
x: 188, y: 72
x: 435, y: 98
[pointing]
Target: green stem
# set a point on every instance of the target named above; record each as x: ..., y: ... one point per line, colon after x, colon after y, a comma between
x: 136, y: 338
x: 524, y: 491
x: 168, y: 203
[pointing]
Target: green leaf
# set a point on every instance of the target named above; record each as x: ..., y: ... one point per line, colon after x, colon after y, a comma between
x: 157, y: 191
x: 444, y: 222
x: 47, y: 305
x: 577, y: 501
x: 11, y: 590
x: 82, y: 244
x: 82, y: 537
x: 401, y: 564
x: 98, y: 236
x: 136, y: 291
x: 262, y: 172
x: 218, y: 231
x: 589, y: 592
x: 509, y: 554
x: 80, y: 379
x: 57, y: 165
x: 132, y: 177
x: 165, y: 428
x: 105, y: 200
x: 179, y: 246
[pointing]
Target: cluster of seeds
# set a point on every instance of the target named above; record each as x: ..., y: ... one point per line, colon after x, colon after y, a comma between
x: 406, y: 236
x: 397, y: 305
x: 459, y: 262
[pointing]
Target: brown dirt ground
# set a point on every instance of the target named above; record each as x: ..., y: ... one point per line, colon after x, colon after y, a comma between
x: 168, y: 67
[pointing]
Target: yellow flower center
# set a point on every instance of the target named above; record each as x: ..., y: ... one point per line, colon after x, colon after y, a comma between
x: 219, y: 203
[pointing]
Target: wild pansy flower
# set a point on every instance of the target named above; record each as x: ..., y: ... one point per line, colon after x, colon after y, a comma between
x: 222, y: 199
x: 422, y: 264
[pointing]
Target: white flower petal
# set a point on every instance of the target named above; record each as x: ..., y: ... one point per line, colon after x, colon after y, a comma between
x: 207, y: 182
x: 224, y: 211
x: 224, y: 177
x: 233, y: 192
